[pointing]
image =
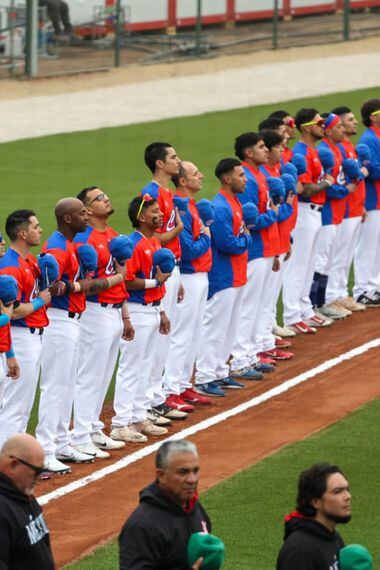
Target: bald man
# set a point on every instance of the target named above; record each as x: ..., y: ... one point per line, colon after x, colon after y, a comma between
x: 60, y: 343
x: 24, y: 536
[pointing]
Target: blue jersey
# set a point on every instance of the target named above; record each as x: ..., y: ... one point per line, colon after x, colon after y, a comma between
x: 371, y: 137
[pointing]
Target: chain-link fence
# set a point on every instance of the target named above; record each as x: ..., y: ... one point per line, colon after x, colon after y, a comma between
x: 52, y: 37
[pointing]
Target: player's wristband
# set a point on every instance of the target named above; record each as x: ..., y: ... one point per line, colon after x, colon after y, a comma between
x: 4, y: 320
x: 10, y: 353
x: 38, y: 303
x: 152, y: 283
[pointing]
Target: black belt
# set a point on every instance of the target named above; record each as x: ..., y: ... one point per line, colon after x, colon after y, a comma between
x: 112, y: 306
x: 152, y: 304
x: 316, y: 207
x: 72, y: 315
x: 35, y: 330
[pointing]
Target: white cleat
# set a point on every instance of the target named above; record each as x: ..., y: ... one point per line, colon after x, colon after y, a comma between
x: 102, y: 441
x: 92, y: 450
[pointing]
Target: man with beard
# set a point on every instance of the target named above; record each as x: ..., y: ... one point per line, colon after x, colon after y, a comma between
x: 311, y: 541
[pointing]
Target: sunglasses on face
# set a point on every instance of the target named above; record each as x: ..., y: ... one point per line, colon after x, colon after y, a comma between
x: 98, y: 198
x: 319, y: 122
x: 37, y: 470
x: 290, y: 123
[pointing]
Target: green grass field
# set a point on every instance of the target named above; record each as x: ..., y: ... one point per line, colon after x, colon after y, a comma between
x: 247, y: 510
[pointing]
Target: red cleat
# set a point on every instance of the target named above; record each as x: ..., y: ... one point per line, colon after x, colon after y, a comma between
x: 282, y: 343
x: 266, y: 360
x: 277, y: 354
x: 176, y: 403
x: 192, y: 397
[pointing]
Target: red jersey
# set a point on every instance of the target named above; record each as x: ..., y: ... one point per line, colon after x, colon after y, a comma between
x: 140, y: 265
x: 5, y: 338
x: 334, y: 209
x: 164, y: 198
x: 355, y: 201
x: 26, y: 272
x: 286, y: 155
x: 66, y: 255
x: 314, y: 173
x: 100, y: 240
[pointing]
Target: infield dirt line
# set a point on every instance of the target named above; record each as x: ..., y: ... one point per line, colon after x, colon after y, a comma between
x: 212, y: 421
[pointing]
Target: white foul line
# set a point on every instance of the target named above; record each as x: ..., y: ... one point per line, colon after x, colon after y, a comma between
x: 148, y: 450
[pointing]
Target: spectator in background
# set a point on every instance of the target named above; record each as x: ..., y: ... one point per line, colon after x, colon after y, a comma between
x: 58, y: 12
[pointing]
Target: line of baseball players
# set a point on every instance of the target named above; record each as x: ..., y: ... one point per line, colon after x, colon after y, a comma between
x: 193, y: 289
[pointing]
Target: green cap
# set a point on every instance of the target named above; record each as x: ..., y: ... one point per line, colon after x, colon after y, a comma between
x: 208, y: 547
x: 355, y: 557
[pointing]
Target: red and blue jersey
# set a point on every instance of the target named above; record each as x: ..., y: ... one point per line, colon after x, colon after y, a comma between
x: 285, y: 216
x: 164, y: 198
x: 196, y: 254
x: 140, y: 266
x: 230, y: 245
x: 265, y: 239
x: 314, y: 172
x: 66, y: 255
x: 5, y: 338
x: 100, y: 240
x: 355, y: 200
x: 26, y: 272
x: 334, y: 209
x: 371, y: 137
x: 286, y: 155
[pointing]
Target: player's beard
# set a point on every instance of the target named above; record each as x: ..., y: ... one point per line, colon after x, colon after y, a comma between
x: 338, y: 519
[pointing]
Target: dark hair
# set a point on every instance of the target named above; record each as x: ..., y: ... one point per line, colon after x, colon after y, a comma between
x: 82, y: 196
x: 280, y: 114
x: 176, y: 177
x: 304, y: 115
x: 155, y: 151
x: 312, y: 484
x: 134, y: 208
x: 341, y: 111
x: 271, y: 138
x: 272, y: 123
x: 225, y: 166
x: 367, y: 109
x: 244, y: 141
x: 16, y: 221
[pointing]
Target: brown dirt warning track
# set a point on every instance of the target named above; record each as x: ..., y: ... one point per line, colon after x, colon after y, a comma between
x: 89, y: 516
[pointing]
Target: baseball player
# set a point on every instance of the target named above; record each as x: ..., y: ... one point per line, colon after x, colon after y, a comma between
x: 29, y: 319
x: 9, y: 366
x: 133, y: 390
x: 347, y: 232
x: 298, y: 311
x: 367, y: 259
x: 290, y: 127
x: 61, y: 339
x: 250, y: 148
x: 162, y: 160
x: 195, y: 264
x: 332, y: 216
x: 98, y: 348
x: 228, y: 275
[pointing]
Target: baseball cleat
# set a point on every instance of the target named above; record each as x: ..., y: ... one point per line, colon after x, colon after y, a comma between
x: 332, y: 312
x: 302, y: 328
x: 339, y: 307
x: 148, y: 428
x: 170, y: 413
x: 192, y: 397
x: 319, y: 320
x: 129, y: 434
x: 283, y: 331
x: 282, y: 344
x: 368, y: 301
x: 156, y: 419
x: 350, y: 304
x: 53, y: 465
x: 210, y: 389
x: 102, y: 441
x: 91, y: 449
x: 264, y: 367
x: 176, y: 403
x: 278, y: 354
x: 230, y: 383
x: 247, y: 373
x: 74, y: 456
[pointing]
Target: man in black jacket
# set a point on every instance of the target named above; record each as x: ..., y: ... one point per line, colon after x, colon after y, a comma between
x: 323, y: 501
x: 155, y: 536
x: 24, y: 536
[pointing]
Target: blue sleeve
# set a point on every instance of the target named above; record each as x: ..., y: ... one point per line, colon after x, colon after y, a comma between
x: 10, y: 353
x: 4, y: 320
x: 251, y: 194
x: 284, y: 212
x: 265, y: 220
x: 192, y: 249
x: 374, y: 167
x: 223, y: 236
x: 336, y: 191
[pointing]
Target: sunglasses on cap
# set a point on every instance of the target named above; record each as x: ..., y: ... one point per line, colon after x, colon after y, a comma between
x: 376, y: 112
x: 145, y: 198
x: 319, y: 122
x: 37, y: 470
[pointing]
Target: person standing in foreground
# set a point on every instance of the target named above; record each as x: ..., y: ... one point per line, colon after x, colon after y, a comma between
x: 311, y: 541
x: 155, y: 536
x: 24, y: 535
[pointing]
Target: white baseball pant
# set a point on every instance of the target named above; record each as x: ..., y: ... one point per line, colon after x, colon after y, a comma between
x: 101, y: 330
x: 346, y: 238
x: 3, y: 376
x: 137, y: 359
x: 274, y: 287
x: 220, y: 323
x: 186, y: 334
x: 300, y: 271
x: 60, y: 344
x: 367, y: 256
x: 162, y: 344
x: 326, y: 249
x: 19, y: 395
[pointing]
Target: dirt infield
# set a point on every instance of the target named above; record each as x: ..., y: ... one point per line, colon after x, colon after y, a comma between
x: 89, y: 516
